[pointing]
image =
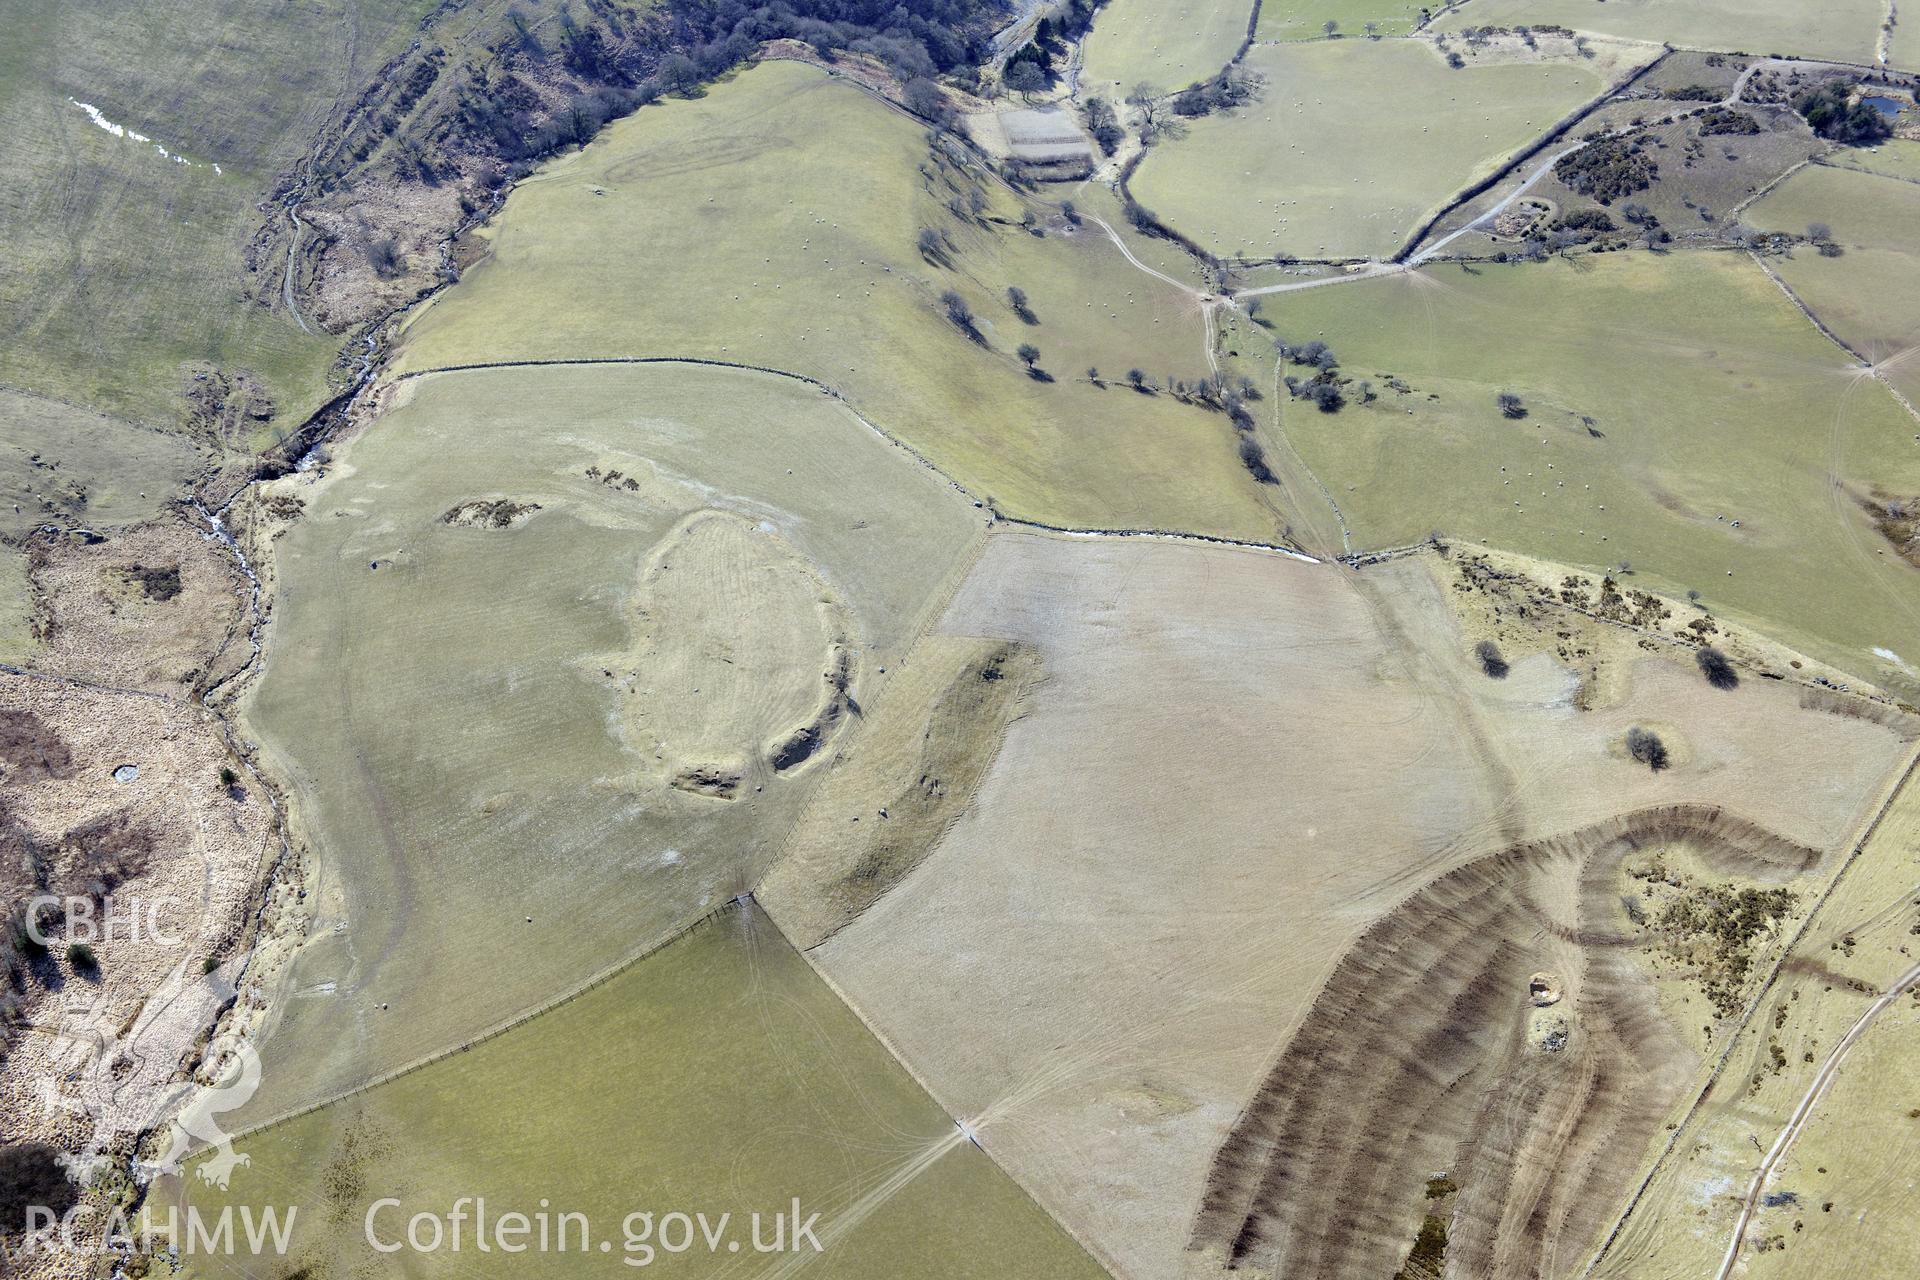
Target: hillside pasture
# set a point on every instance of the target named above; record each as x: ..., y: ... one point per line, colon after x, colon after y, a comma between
x: 559, y: 699
x: 1712, y: 401
x: 1167, y: 44
x: 126, y: 258
x: 70, y: 467
x: 67, y: 467
x: 1896, y: 158
x: 1322, y: 165
x: 1869, y: 294
x: 777, y: 221
x: 1845, y: 30
x: 718, y: 1075
x: 1190, y: 825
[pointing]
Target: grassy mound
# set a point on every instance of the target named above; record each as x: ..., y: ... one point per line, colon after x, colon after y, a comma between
x: 544, y: 705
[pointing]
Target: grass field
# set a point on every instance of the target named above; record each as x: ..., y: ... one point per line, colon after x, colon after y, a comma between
x: 69, y: 467
x: 1856, y: 1155
x: 1847, y: 30
x: 719, y: 1075
x: 125, y: 265
x: 1099, y: 959
x: 1870, y: 294
x: 551, y: 704
x: 1314, y: 169
x: 1714, y: 399
x: 779, y: 217
x: 1168, y: 45
x: 1896, y: 158
x: 1307, y: 19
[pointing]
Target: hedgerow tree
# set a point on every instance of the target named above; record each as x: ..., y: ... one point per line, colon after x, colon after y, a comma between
x: 1717, y: 668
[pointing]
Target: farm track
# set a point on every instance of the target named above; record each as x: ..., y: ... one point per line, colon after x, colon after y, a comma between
x: 1822, y: 1080
x: 1866, y: 366
x: 1779, y: 964
x: 1546, y: 139
x: 1296, y: 476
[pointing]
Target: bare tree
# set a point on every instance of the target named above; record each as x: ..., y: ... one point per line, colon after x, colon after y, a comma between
x: 1026, y: 78
x: 1645, y: 746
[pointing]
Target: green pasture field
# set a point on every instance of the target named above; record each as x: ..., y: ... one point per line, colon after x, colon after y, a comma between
x: 1847, y: 30
x: 1683, y: 70
x: 774, y: 222
x: 719, y: 1075
x: 454, y: 707
x: 71, y: 467
x: 1168, y: 44
x: 1870, y: 294
x: 123, y: 265
x: 1714, y: 399
x: 1325, y: 164
x: 1896, y: 158
x: 1307, y: 19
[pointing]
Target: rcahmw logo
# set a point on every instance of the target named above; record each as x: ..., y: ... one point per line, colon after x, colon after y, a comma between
x: 104, y: 1084
x: 264, y: 1230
